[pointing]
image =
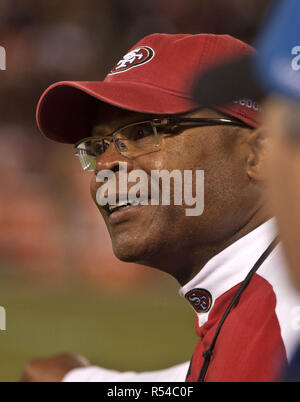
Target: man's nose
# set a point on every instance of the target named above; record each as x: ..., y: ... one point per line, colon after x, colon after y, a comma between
x: 110, y: 160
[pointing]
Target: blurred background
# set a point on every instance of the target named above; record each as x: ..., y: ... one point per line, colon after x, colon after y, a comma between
x: 61, y: 286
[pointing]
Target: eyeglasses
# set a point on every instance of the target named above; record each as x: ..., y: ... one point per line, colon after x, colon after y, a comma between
x: 140, y: 138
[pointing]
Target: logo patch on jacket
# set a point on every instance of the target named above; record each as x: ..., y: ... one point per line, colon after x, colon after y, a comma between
x: 136, y: 57
x: 200, y: 299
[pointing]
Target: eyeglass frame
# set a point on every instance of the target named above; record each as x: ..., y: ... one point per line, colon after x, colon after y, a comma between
x: 166, y: 121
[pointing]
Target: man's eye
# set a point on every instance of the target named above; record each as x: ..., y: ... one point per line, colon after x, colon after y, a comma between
x: 99, y: 147
x: 142, y: 132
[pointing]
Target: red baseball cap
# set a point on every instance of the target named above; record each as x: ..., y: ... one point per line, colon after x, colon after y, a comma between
x: 156, y: 76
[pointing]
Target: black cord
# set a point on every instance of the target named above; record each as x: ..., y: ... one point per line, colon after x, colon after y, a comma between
x: 208, y: 353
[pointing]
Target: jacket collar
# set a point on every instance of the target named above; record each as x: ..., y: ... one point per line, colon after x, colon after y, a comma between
x: 227, y: 269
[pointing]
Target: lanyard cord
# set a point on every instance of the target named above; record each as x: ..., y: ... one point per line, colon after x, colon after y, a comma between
x: 208, y: 353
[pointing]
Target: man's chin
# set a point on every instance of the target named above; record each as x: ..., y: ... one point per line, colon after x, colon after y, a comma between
x: 126, y: 257
x: 127, y: 252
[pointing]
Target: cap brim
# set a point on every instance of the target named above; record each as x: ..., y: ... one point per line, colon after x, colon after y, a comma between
x: 66, y: 110
x: 228, y: 82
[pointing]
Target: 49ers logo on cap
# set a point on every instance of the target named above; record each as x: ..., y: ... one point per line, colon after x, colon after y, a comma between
x: 136, y: 57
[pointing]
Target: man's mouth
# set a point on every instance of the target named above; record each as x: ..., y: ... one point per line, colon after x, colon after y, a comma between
x: 121, y: 204
x: 110, y: 208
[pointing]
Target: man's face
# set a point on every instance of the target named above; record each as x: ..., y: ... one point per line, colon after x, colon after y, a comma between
x: 163, y: 236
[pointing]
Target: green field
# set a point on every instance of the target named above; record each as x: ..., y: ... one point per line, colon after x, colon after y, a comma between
x: 142, y: 330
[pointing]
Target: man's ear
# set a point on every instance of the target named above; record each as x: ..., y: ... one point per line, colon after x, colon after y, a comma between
x: 256, y: 163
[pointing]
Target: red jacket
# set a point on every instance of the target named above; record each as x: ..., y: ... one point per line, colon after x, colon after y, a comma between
x: 261, y: 331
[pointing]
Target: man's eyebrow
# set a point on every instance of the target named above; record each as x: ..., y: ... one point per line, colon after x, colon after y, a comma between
x: 98, y: 131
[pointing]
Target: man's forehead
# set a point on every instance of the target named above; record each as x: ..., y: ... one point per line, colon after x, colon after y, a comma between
x: 109, y: 117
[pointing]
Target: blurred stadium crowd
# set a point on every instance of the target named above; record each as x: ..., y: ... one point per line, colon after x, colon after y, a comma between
x: 49, y: 227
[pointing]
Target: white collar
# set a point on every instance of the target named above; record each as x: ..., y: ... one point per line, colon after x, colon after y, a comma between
x: 230, y: 266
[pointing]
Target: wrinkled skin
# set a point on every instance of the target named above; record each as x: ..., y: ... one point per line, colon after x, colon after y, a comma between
x: 233, y: 202
x: 163, y: 236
